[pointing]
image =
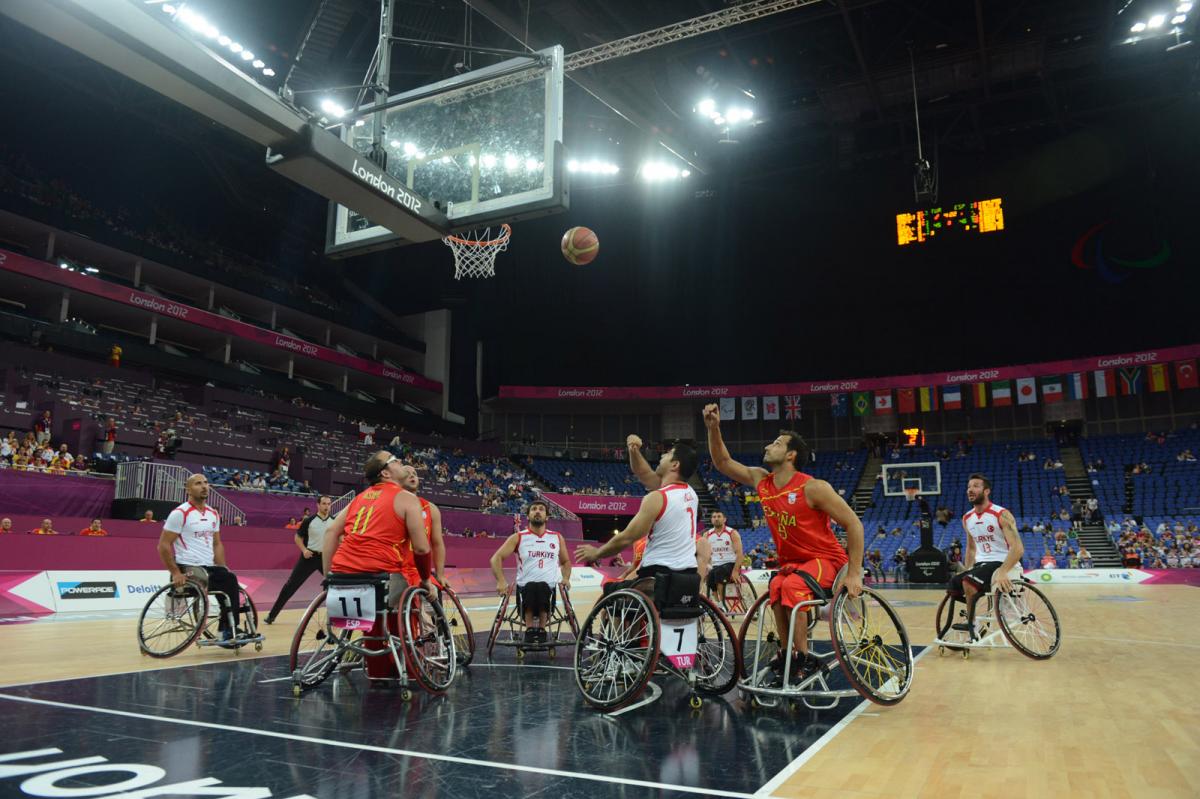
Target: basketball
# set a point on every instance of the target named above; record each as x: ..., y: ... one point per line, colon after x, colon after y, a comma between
x: 580, y: 245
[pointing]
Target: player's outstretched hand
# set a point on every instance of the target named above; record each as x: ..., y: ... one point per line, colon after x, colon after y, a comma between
x: 587, y: 554
x: 712, y: 416
x: 633, y: 441
x: 502, y: 586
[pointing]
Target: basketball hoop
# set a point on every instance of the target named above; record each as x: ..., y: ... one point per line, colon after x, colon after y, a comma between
x: 911, y: 493
x: 475, y: 252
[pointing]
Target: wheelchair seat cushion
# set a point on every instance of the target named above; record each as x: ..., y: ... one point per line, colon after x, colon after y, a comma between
x: 365, y: 578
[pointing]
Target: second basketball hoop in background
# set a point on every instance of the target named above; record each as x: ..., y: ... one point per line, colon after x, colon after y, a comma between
x: 580, y: 246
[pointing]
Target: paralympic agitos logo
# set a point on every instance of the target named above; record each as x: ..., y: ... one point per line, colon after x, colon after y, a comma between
x: 1089, y: 253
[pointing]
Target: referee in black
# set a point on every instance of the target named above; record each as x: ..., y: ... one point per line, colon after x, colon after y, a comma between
x: 310, y: 538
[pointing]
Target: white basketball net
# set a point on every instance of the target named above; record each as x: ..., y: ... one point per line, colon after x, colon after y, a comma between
x: 475, y: 252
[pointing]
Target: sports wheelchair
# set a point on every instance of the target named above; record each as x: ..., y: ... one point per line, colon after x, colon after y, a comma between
x: 867, y: 641
x: 1022, y: 618
x: 629, y: 637
x: 738, y: 595
x: 460, y: 624
x: 349, y: 625
x: 175, y: 618
x: 508, y: 628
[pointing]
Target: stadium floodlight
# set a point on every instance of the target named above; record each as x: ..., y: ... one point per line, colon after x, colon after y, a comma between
x: 410, y: 149
x: 258, y: 63
x: 224, y: 40
x: 247, y: 55
x: 532, y: 165
x: 270, y: 73
x: 332, y: 108
x: 707, y: 106
x: 1138, y: 27
x: 510, y: 162
x: 1156, y: 21
x: 235, y: 47
x: 1179, y: 19
x: 167, y: 8
x: 211, y: 32
x: 658, y: 171
x: 1183, y: 8
x: 487, y: 160
x: 685, y: 173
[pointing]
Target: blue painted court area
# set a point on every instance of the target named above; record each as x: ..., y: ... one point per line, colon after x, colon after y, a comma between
x: 503, y: 730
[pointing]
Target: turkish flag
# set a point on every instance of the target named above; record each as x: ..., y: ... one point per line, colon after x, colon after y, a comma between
x: 1185, y: 374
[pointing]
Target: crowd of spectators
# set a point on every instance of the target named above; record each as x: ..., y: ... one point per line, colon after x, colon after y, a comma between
x: 35, y: 452
x: 96, y: 528
x: 1173, y: 544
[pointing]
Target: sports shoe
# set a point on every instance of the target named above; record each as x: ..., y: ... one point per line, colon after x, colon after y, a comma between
x: 542, y: 635
x: 530, y: 635
x: 269, y: 620
x: 965, y: 627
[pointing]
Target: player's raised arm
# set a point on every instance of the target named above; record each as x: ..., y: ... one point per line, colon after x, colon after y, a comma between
x: 821, y: 496
x: 726, y: 465
x: 639, y: 465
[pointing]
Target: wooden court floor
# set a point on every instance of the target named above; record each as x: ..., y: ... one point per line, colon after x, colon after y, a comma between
x: 1114, y: 714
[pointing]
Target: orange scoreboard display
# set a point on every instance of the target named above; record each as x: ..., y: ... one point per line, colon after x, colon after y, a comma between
x: 981, y: 216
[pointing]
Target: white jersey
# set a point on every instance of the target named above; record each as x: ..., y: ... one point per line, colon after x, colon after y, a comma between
x: 672, y: 541
x: 722, y: 545
x: 537, y: 558
x: 984, y: 527
x: 196, y: 529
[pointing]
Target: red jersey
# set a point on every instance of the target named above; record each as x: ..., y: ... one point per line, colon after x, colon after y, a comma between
x: 801, y: 533
x: 375, y: 540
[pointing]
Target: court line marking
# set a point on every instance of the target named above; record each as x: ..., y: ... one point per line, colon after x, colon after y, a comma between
x: 466, y: 761
x: 1134, y: 641
x: 152, y: 670
x: 791, y: 768
x: 519, y: 666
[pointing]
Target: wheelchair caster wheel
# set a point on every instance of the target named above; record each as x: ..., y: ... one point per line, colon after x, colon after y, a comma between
x: 550, y: 652
x: 296, y: 690
x: 941, y: 651
x: 258, y: 646
x: 406, y: 695
x: 695, y: 702
x: 520, y: 654
x: 966, y: 653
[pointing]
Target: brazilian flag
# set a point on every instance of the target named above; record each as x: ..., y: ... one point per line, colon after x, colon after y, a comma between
x: 862, y: 403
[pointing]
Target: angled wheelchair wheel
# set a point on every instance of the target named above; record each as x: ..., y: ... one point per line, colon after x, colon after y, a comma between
x: 498, y: 624
x: 617, y: 650
x: 758, y: 638
x: 172, y: 620
x: 428, y: 640
x: 872, y: 646
x: 460, y: 626
x: 718, y: 656
x: 317, y: 649
x: 740, y: 598
x: 1028, y: 620
x: 568, y: 610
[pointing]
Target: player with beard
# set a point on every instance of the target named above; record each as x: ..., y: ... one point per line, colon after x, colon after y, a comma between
x: 993, y: 548
x: 798, y: 509
x: 542, y: 565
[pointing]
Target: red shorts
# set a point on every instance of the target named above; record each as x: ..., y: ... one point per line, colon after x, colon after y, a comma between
x: 791, y: 589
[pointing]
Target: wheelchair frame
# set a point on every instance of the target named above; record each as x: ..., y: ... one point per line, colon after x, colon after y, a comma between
x: 743, y: 585
x: 562, y: 613
x: 999, y: 638
x: 657, y: 665
x: 338, y: 650
x: 814, y: 691
x: 203, y: 633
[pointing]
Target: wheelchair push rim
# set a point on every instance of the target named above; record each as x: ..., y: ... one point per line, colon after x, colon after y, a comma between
x: 498, y: 624
x: 719, y: 653
x: 1029, y: 621
x: 177, y: 624
x: 872, y: 646
x: 617, y: 650
x: 428, y: 642
x: 460, y: 626
x: 315, y: 653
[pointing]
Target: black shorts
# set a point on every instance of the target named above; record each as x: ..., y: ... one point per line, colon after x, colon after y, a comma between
x: 534, y: 597
x: 719, y: 574
x: 980, y: 576
x: 644, y: 573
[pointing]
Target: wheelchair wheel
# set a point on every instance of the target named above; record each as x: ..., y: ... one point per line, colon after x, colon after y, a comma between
x: 740, y: 601
x: 617, y: 650
x: 1029, y: 621
x: 568, y: 611
x: 428, y: 640
x: 501, y: 613
x: 949, y: 612
x: 172, y: 620
x: 460, y: 626
x: 315, y: 653
x: 872, y: 646
x: 765, y: 641
x: 246, y: 607
x: 718, y: 656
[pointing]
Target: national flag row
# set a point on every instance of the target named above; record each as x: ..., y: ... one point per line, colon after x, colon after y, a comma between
x: 997, y: 393
x: 1022, y: 391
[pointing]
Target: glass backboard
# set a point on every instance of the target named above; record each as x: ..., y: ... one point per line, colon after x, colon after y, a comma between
x: 482, y: 147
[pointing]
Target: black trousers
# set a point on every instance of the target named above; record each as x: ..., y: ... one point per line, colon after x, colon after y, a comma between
x: 304, y: 568
x: 221, y: 579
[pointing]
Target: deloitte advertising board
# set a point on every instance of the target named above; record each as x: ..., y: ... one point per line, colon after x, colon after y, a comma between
x: 66, y: 592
